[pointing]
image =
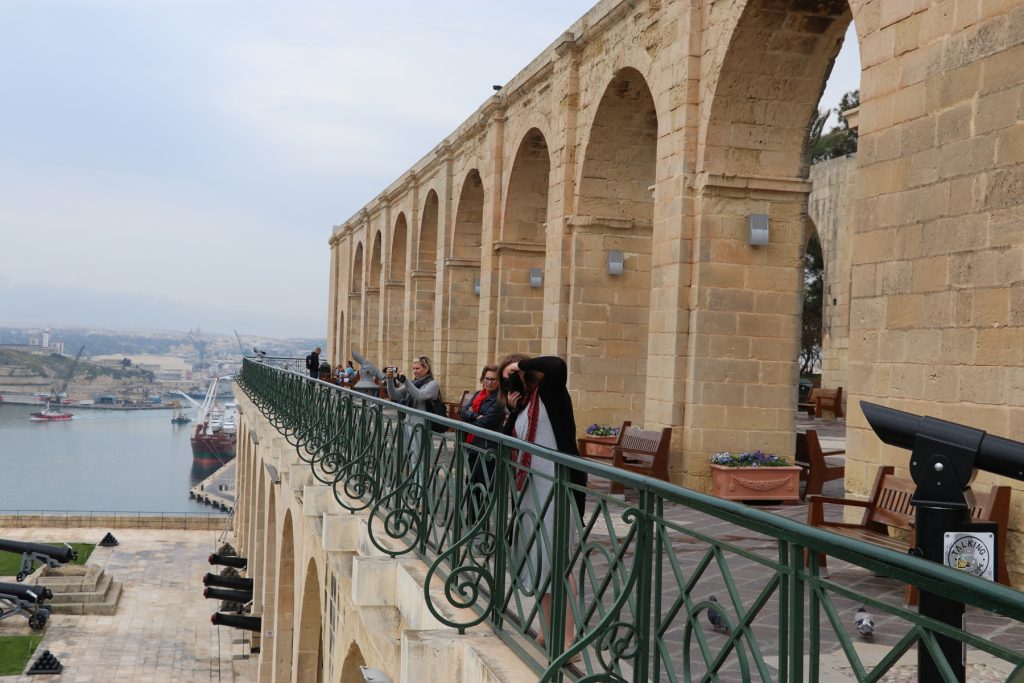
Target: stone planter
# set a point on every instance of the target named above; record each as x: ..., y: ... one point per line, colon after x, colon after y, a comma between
x: 756, y: 483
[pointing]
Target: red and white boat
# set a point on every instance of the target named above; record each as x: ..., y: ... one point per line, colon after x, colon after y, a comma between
x: 49, y: 415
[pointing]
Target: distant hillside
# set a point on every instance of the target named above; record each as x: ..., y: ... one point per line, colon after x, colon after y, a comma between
x: 55, y: 366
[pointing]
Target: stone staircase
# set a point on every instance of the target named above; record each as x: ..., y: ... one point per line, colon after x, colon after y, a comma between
x: 81, y: 589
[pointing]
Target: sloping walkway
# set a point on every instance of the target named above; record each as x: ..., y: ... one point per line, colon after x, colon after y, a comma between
x: 161, y: 631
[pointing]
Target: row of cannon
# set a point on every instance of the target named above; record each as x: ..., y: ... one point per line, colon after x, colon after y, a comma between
x: 234, y: 592
x: 18, y: 599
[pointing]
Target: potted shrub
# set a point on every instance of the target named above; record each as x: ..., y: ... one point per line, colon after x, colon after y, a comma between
x: 754, y: 476
x: 603, y: 434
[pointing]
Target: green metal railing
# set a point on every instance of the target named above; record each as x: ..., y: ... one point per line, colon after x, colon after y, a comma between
x: 633, y: 576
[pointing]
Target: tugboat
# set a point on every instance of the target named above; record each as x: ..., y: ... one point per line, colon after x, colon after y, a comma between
x: 180, y: 417
x: 213, y: 442
x: 49, y: 415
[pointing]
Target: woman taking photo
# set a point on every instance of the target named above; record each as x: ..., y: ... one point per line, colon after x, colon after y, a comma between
x: 540, y: 412
x: 418, y: 394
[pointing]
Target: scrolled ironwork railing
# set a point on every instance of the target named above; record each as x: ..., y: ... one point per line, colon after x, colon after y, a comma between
x: 620, y: 591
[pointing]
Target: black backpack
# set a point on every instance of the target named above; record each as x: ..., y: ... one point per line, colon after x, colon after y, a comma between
x: 437, y: 407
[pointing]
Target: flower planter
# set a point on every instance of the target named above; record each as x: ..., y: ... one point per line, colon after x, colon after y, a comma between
x: 756, y: 483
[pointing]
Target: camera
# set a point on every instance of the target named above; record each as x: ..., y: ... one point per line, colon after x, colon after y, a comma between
x: 392, y: 369
x: 513, y: 383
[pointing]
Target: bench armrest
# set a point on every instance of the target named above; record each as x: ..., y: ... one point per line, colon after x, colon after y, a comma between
x: 838, y: 451
x: 816, y: 507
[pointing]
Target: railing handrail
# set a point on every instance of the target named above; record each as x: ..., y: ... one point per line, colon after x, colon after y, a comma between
x: 928, y: 576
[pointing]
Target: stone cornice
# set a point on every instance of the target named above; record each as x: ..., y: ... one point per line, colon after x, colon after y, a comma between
x: 709, y: 183
x: 520, y: 247
x: 394, y: 284
x: 422, y: 274
x: 461, y: 263
x: 593, y: 223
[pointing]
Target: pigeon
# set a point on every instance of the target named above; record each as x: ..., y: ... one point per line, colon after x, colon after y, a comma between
x: 864, y: 623
x: 716, y: 617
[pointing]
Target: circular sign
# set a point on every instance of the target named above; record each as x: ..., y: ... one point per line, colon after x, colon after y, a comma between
x: 970, y: 555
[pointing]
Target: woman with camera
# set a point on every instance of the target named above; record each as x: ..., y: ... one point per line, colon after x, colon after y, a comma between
x: 420, y: 393
x: 540, y: 412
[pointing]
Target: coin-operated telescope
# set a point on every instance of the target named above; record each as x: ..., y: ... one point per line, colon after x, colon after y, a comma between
x: 944, y: 458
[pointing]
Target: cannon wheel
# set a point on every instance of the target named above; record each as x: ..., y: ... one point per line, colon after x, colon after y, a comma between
x: 21, y: 576
x: 37, y: 621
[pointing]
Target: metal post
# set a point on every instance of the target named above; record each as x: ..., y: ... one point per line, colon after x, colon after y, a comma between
x: 931, y: 525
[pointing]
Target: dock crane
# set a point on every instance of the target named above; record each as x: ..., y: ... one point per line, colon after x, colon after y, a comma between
x: 58, y: 393
x: 241, y: 348
x: 200, y: 347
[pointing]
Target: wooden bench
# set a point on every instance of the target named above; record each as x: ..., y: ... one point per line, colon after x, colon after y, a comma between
x: 816, y: 468
x: 454, y: 408
x: 821, y: 400
x: 889, y: 506
x: 635, y: 450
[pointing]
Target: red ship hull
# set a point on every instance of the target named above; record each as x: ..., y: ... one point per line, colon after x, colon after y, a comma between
x: 212, y: 449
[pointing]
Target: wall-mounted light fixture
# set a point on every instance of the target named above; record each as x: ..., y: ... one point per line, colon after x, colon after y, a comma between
x: 615, y: 262
x: 536, y: 278
x: 476, y: 286
x: 757, y: 226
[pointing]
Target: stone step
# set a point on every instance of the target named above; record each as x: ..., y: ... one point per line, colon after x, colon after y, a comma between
x: 95, y: 593
x: 106, y: 607
x: 71, y: 578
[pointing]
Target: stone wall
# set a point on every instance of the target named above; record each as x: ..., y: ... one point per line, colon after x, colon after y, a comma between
x: 655, y: 128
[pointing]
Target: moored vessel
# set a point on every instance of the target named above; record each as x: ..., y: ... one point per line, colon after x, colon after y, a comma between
x: 213, y: 441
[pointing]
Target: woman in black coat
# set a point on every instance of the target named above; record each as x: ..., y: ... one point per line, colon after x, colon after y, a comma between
x: 483, y: 410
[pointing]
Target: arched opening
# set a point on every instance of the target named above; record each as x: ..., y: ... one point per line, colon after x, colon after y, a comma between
x: 356, y: 300
x: 337, y: 349
x: 284, y: 621
x: 463, y: 311
x: 425, y: 279
x: 372, y: 294
x: 812, y: 313
x: 309, y: 654
x: 521, y: 249
x: 612, y: 236
x: 394, y: 303
x: 268, y: 576
x: 350, y: 672
x: 753, y: 160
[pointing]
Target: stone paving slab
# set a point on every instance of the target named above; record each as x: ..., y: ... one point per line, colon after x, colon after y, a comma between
x: 161, y: 630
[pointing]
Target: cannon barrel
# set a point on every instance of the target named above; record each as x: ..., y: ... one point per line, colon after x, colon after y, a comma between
x: 237, y: 583
x: 20, y: 591
x: 62, y: 554
x: 228, y: 595
x: 236, y: 621
x: 228, y: 560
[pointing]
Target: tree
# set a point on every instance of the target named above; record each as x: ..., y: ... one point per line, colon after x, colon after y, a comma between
x: 811, y: 332
x: 839, y: 140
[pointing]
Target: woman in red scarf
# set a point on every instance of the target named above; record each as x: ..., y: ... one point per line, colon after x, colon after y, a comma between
x: 483, y: 410
x: 541, y: 412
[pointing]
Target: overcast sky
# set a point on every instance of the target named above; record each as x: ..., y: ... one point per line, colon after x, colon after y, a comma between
x: 179, y: 163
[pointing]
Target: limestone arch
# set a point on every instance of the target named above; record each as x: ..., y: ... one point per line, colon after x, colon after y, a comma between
x: 259, y: 540
x: 425, y: 278
x: 284, y: 620
x: 615, y: 216
x: 522, y: 248
x: 310, y: 643
x: 372, y: 294
x: 753, y: 158
x: 462, y: 314
x: 356, y: 297
x: 393, y: 295
x: 269, y: 576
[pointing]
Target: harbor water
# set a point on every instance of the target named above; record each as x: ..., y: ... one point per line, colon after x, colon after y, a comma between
x: 101, y: 461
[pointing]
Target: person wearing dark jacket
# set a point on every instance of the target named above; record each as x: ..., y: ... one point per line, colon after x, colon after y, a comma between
x: 540, y: 412
x: 313, y: 363
x: 483, y: 410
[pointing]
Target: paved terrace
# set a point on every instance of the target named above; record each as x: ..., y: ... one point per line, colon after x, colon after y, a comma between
x: 162, y: 630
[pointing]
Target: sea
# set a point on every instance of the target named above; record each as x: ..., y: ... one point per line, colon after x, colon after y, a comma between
x: 101, y: 461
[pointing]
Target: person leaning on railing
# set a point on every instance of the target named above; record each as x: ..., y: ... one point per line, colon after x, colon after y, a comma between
x: 540, y: 412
